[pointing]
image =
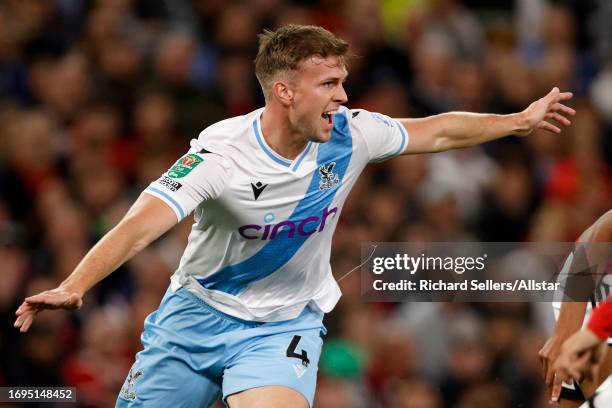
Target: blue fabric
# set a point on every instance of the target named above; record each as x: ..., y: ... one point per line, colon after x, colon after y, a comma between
x: 234, y: 279
x: 263, y: 146
x: 193, y: 354
x: 299, y: 160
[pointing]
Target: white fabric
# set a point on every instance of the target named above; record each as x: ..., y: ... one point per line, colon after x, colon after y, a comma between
x: 305, y: 196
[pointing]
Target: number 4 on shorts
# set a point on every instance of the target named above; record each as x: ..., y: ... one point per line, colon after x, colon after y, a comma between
x: 291, y: 351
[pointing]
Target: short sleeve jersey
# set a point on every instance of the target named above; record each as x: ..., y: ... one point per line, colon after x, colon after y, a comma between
x: 260, y: 244
x: 600, y: 293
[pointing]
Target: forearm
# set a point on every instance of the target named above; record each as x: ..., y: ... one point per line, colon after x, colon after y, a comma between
x: 464, y: 129
x: 571, y: 318
x: 115, y: 248
x: 455, y: 130
x: 146, y: 221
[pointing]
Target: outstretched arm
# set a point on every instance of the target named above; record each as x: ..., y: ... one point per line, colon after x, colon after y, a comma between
x: 454, y: 130
x: 146, y: 220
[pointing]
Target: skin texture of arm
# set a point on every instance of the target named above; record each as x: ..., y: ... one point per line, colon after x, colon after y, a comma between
x: 455, y: 130
x: 146, y: 221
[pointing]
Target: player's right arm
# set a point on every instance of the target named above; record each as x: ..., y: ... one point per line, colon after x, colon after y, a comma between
x: 196, y: 177
x: 146, y: 221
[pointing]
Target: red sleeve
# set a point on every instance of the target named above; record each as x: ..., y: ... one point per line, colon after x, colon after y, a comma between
x: 600, y: 322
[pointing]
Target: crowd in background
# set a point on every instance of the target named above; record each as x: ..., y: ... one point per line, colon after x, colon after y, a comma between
x: 100, y: 97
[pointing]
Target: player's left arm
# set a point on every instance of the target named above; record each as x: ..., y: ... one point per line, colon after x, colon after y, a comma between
x: 455, y: 130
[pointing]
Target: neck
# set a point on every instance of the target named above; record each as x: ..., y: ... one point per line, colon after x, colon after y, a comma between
x: 278, y: 133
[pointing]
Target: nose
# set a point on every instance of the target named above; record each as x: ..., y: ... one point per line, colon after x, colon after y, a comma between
x: 340, y: 95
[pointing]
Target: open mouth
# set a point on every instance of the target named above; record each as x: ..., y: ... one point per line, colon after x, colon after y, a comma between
x: 328, y: 117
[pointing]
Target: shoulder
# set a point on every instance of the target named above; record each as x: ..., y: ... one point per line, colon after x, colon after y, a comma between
x: 365, y: 118
x: 228, y: 135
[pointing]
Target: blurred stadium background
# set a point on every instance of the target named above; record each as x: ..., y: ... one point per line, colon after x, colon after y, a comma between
x: 97, y: 98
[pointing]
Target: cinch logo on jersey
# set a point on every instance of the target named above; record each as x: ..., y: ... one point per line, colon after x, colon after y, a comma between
x: 305, y: 227
x: 184, y: 165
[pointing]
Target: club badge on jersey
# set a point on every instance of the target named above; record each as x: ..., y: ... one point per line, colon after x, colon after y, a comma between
x: 328, y: 178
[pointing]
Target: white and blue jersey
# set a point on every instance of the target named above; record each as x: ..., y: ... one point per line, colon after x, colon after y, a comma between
x: 260, y: 245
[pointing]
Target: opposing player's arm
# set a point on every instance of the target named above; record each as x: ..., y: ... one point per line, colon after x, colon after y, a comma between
x: 571, y: 314
x: 146, y: 220
x: 454, y: 130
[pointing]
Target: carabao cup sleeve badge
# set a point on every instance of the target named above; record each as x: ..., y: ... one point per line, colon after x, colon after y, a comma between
x: 184, y: 165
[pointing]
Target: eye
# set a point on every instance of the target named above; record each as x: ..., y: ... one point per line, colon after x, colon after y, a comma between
x: 328, y: 84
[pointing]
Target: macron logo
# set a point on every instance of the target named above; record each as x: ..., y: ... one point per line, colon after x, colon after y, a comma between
x: 258, y: 188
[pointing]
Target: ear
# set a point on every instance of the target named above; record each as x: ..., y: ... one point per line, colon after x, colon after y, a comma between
x: 283, y: 92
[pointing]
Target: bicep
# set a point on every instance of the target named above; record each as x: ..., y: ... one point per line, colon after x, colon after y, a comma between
x: 150, y: 217
x: 383, y: 136
x: 422, y: 133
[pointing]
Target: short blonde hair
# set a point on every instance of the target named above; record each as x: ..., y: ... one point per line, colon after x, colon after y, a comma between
x: 283, y: 50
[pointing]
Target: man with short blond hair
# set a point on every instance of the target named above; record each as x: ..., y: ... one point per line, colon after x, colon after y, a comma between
x: 243, y: 315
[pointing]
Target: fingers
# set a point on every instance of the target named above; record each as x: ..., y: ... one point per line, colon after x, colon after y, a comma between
x: 556, y: 95
x: 55, y: 300
x: 26, y: 323
x: 41, y: 298
x: 556, y: 388
x: 553, y: 94
x: 559, y: 118
x: 24, y: 320
x: 544, y: 125
x: 559, y: 107
x: 544, y: 363
x: 550, y: 375
x: 23, y: 308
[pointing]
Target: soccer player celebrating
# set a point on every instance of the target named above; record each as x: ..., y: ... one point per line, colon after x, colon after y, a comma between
x: 242, y: 317
x: 570, y: 317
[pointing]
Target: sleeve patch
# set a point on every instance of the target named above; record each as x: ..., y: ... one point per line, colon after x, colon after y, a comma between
x: 170, y: 184
x: 184, y: 165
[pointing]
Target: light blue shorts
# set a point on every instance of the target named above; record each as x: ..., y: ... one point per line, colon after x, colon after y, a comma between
x: 193, y: 354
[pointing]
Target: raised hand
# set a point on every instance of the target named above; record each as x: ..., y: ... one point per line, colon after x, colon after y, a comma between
x: 58, y: 298
x: 539, y: 114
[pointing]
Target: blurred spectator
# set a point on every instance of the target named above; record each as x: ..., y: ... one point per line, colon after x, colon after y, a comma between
x: 97, y: 99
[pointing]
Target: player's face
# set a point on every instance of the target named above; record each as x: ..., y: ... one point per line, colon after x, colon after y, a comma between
x: 318, y: 93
